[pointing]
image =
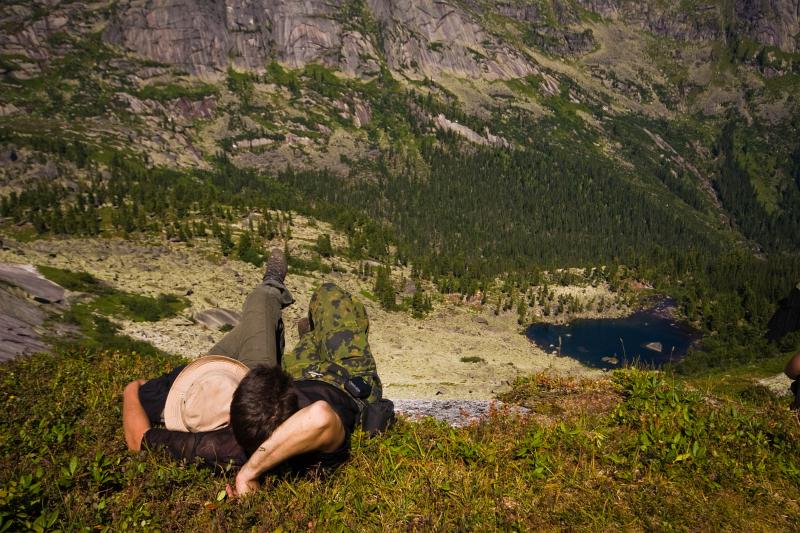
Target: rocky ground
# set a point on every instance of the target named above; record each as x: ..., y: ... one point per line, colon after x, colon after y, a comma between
x: 450, y: 365
x: 417, y: 358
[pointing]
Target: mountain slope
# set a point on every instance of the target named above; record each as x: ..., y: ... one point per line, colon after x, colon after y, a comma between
x: 471, y: 139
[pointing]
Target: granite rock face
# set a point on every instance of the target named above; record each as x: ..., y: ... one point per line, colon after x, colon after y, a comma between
x: 27, y: 278
x: 202, y: 36
x: 436, y: 37
x: 20, y: 319
x: 770, y: 22
x: 205, y: 36
x: 418, y: 37
x: 26, y: 300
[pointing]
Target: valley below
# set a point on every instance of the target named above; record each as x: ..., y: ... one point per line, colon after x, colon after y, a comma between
x: 459, y: 350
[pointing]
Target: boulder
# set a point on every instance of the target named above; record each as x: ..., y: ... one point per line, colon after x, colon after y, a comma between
x: 19, y: 318
x: 26, y: 302
x: 27, y: 278
x: 217, y: 318
x: 771, y: 23
x: 457, y: 413
x: 655, y: 346
x: 410, y: 288
x: 779, y: 384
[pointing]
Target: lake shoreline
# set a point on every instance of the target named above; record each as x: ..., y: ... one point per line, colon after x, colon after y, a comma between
x: 652, y: 335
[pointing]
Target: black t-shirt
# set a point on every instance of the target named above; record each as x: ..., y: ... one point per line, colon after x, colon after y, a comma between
x: 219, y: 447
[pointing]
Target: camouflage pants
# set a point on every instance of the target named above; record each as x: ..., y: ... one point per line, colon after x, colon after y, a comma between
x: 336, y: 349
x: 258, y: 338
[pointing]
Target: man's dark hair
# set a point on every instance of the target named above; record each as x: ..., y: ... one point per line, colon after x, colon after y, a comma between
x: 264, y: 399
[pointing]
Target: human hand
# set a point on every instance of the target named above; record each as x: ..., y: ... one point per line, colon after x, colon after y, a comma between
x: 243, y: 485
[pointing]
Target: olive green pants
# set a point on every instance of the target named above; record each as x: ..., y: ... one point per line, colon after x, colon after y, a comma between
x: 258, y: 339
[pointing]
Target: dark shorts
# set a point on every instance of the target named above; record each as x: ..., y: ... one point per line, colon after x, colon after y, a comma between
x: 153, y: 395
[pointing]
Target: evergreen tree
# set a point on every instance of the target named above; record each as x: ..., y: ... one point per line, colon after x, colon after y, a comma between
x: 384, y: 289
x: 226, y: 241
x: 324, y: 247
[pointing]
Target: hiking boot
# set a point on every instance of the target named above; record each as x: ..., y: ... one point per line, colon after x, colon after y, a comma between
x: 276, y: 267
x: 303, y: 326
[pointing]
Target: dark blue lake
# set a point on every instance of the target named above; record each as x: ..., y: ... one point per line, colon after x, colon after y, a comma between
x: 650, y: 337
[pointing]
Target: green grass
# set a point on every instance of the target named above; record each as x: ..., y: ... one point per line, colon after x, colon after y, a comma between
x: 640, y: 452
x: 527, y: 86
x: 739, y: 380
x: 99, y: 332
x: 75, y: 281
x: 140, y: 308
x: 115, y: 303
x: 368, y: 295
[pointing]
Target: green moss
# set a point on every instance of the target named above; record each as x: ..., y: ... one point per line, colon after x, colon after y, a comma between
x: 170, y: 91
x: 779, y: 85
x: 590, y: 16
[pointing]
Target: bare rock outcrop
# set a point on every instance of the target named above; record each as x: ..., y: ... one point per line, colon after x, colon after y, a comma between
x: 769, y: 22
x: 779, y: 384
x: 457, y: 413
x: 423, y: 36
x: 19, y: 320
x: 433, y: 37
x: 205, y: 37
x: 443, y: 123
x: 27, y: 278
x: 26, y: 300
x: 218, y: 318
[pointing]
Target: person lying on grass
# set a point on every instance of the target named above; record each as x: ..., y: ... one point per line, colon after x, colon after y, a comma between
x: 249, y: 405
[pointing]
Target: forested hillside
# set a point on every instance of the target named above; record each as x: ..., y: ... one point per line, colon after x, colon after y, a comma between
x: 471, y: 140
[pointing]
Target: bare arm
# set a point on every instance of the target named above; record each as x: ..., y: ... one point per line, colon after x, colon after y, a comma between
x: 316, y: 427
x: 134, y: 420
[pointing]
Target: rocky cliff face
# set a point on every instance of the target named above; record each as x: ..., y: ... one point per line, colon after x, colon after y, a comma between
x: 203, y: 36
x: 434, y: 37
x: 420, y: 37
x: 417, y: 35
x: 770, y: 22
